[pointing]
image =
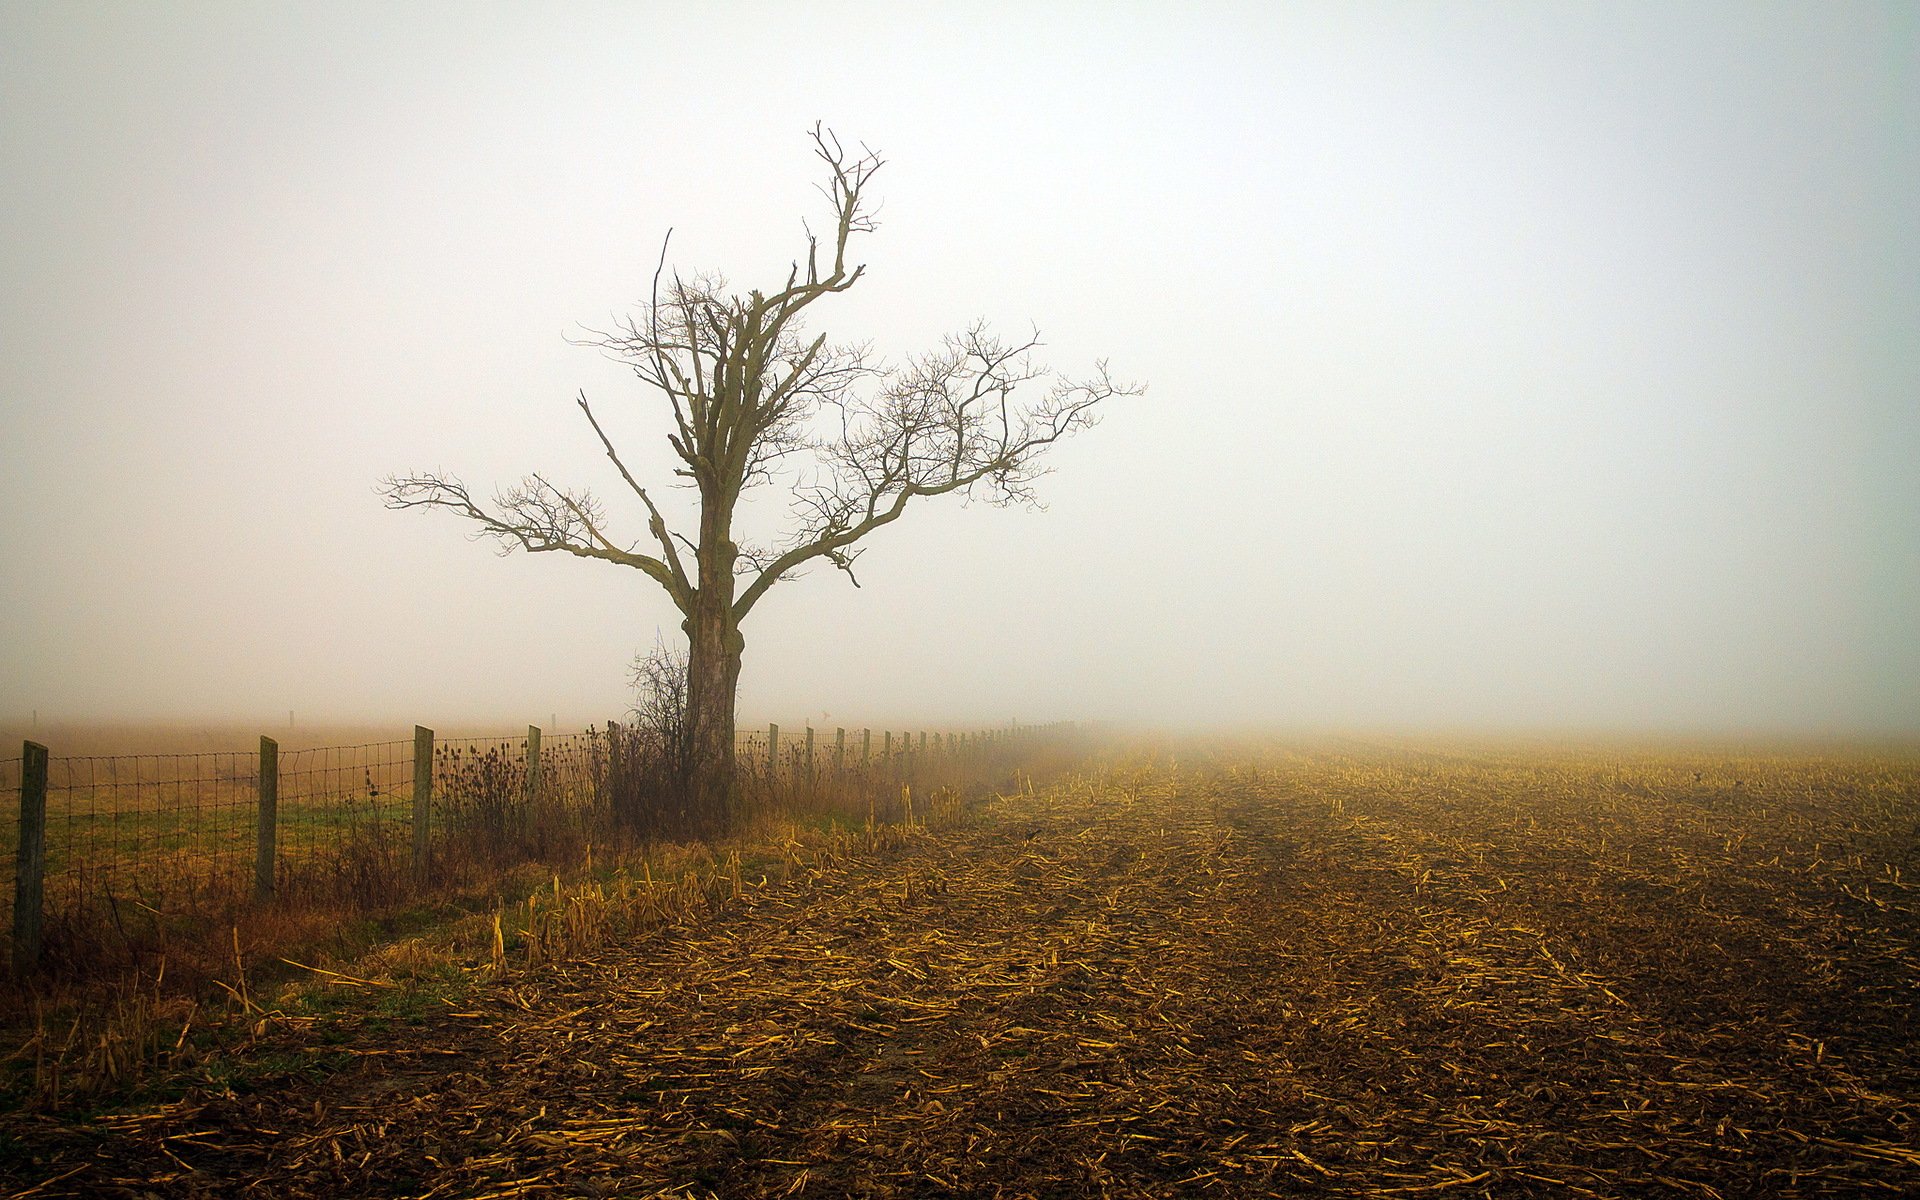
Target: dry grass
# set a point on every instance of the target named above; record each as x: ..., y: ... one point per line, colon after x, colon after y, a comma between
x: 129, y: 982
x: 143, y: 850
x: 1336, y: 970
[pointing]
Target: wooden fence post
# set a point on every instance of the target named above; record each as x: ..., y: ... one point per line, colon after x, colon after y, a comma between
x: 809, y: 759
x: 263, y: 859
x: 773, y: 751
x: 30, y: 862
x: 839, y: 751
x: 422, y: 800
x: 533, y: 763
x: 866, y: 746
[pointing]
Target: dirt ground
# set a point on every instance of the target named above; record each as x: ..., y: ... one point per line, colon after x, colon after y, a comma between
x: 1320, y: 973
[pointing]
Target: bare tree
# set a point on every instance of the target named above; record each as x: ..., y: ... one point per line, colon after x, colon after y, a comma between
x: 647, y: 760
x: 659, y: 711
x: 748, y: 390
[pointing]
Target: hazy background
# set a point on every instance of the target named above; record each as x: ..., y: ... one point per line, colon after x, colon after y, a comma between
x: 1546, y: 366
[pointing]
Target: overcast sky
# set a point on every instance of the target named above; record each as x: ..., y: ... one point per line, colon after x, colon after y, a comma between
x: 1531, y: 365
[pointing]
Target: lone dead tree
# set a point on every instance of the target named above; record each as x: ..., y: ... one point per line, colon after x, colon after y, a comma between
x: 749, y: 390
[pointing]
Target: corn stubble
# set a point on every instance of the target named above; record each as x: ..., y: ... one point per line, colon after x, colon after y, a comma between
x: 1335, y: 970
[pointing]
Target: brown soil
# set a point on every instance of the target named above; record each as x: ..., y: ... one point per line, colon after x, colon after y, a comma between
x: 1328, y: 976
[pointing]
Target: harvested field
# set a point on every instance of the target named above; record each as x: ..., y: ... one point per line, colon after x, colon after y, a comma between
x: 1340, y: 971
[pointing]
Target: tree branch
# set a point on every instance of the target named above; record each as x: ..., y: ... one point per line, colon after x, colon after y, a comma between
x: 947, y: 423
x: 656, y: 523
x: 534, y: 516
x: 749, y: 386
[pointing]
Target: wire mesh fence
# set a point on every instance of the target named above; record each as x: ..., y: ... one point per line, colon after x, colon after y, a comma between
x: 344, y: 820
x: 147, y: 831
x: 134, y: 844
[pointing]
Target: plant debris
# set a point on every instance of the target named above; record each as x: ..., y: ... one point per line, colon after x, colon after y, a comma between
x: 1339, y: 971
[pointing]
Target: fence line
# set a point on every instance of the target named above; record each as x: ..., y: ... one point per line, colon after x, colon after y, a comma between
x: 120, y: 845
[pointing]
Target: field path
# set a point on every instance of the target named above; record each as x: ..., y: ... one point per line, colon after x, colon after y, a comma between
x: 1168, y: 983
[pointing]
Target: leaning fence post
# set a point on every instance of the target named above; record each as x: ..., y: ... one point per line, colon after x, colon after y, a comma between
x: 422, y: 800
x: 773, y: 751
x: 30, y: 862
x: 533, y: 763
x: 269, y: 817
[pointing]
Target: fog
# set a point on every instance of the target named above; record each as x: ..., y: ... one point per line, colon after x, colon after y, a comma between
x: 1509, y: 367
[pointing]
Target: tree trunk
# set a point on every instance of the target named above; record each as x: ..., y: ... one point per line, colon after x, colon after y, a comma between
x: 713, y: 665
x: 713, y: 677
